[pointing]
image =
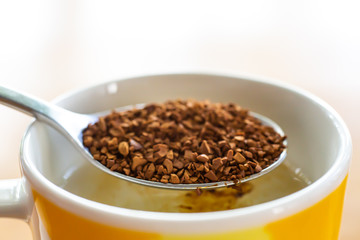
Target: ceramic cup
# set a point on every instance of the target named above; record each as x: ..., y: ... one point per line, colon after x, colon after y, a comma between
x: 319, y: 145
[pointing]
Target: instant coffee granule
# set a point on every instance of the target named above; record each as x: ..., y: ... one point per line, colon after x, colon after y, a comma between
x: 184, y: 141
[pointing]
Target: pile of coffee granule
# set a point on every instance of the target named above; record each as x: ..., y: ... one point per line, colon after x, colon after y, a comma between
x: 184, y: 141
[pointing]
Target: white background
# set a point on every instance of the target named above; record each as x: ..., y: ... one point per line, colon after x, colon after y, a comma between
x: 50, y: 47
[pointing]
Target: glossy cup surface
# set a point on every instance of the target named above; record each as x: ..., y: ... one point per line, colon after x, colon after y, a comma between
x: 319, y: 144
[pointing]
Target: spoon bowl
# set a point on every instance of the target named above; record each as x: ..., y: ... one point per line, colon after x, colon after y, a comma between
x: 71, y: 125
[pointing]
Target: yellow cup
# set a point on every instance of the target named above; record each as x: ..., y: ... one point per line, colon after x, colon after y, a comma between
x: 319, y: 145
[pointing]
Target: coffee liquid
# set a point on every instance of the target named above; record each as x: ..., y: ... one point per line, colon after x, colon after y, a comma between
x: 90, y: 183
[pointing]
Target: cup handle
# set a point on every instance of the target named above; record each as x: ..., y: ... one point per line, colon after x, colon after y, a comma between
x: 15, y: 199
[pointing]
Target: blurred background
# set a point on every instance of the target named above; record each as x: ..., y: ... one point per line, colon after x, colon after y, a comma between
x: 50, y: 47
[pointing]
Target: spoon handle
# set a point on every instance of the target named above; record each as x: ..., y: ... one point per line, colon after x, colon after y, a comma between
x: 67, y: 122
x: 29, y: 104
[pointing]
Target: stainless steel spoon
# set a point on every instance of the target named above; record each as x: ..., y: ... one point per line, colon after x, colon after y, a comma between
x: 71, y: 124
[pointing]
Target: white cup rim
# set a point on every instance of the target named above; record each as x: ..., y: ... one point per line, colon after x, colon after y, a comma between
x: 283, y: 207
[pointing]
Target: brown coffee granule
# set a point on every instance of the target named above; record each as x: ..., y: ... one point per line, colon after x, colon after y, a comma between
x: 184, y: 141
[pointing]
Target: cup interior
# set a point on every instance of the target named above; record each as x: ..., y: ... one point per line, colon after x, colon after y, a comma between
x: 315, y: 139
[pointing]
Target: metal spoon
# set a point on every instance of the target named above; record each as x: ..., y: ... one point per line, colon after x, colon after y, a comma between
x: 71, y: 124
